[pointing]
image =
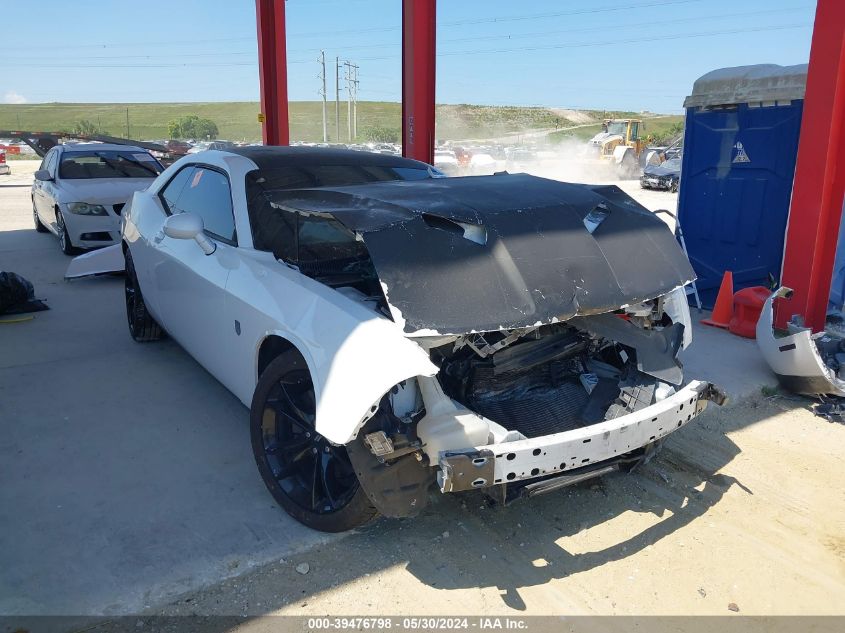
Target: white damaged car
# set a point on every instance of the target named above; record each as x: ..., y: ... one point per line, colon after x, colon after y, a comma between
x: 391, y: 331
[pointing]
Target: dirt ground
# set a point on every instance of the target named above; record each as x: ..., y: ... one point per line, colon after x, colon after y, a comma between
x: 744, y: 509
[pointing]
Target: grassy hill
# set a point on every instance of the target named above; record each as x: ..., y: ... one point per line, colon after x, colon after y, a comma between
x: 238, y: 120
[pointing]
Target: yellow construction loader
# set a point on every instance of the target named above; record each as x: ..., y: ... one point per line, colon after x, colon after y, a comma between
x: 619, y: 146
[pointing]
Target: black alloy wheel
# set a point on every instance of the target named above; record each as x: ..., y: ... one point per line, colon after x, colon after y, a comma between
x: 311, y: 478
x: 142, y: 326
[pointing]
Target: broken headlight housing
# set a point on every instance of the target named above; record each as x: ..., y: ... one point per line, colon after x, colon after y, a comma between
x: 84, y: 208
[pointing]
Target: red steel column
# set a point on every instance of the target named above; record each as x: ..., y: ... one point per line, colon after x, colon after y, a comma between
x: 273, y: 71
x: 819, y: 186
x: 418, y: 64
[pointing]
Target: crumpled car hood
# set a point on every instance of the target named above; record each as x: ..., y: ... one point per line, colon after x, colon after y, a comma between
x: 660, y: 170
x: 474, y: 254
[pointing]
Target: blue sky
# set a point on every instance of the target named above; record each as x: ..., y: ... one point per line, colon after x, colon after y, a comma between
x: 613, y: 54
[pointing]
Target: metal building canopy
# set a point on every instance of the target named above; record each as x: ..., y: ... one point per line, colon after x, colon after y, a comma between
x: 748, y: 84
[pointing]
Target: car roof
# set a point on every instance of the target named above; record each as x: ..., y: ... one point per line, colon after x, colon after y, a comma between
x: 103, y: 147
x: 267, y: 157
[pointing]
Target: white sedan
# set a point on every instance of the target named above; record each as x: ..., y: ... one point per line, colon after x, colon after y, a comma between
x: 80, y: 189
x: 390, y: 330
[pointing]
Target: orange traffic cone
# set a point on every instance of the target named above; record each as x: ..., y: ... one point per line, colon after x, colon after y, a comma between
x: 724, y: 308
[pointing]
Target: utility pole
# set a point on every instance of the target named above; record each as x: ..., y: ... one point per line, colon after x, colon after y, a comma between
x: 336, y: 98
x: 347, y: 68
x: 322, y: 62
x: 355, y: 101
x: 127, y: 122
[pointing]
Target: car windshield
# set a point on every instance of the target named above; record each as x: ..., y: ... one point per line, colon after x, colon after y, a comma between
x: 291, y: 177
x: 321, y: 247
x: 108, y: 164
x: 672, y: 163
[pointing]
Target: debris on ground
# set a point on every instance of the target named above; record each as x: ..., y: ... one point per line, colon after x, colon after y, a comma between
x: 303, y: 568
x: 733, y: 607
x: 17, y: 295
x: 831, y: 409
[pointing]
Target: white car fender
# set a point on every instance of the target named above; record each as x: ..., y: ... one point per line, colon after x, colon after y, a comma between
x: 354, y: 354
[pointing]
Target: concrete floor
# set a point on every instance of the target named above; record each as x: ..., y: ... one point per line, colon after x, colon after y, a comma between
x: 126, y: 475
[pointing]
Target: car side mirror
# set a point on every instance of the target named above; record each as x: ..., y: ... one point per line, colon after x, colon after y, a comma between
x: 43, y: 175
x: 188, y: 226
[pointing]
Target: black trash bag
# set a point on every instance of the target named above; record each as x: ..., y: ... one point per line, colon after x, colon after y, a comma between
x: 17, y: 295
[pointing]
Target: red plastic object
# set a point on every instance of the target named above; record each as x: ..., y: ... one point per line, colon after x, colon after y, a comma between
x: 748, y: 303
x: 723, y: 310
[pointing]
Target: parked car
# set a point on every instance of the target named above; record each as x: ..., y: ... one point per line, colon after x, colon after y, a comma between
x: 519, y: 159
x: 666, y: 175
x: 446, y: 162
x: 391, y: 331
x: 176, y: 147
x: 482, y: 164
x: 4, y: 166
x: 80, y: 189
x: 199, y: 147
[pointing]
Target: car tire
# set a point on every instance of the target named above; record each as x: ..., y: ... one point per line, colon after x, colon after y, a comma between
x: 64, y: 239
x: 39, y: 226
x: 142, y: 326
x: 310, y: 478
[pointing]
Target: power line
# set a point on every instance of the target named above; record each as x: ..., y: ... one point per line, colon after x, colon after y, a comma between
x: 626, y: 41
x: 721, y: 16
x: 536, y: 16
x: 613, y: 42
x: 608, y: 42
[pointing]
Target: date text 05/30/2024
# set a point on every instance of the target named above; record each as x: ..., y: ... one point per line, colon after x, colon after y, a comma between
x: 417, y: 623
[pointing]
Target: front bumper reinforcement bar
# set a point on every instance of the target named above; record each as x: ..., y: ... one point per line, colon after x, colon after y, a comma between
x: 485, y: 466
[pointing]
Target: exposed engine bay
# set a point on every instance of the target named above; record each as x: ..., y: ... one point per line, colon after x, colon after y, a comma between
x: 552, y: 378
x: 521, y: 388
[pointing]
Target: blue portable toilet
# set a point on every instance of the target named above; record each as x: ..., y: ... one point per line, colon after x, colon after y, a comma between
x: 740, y: 145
